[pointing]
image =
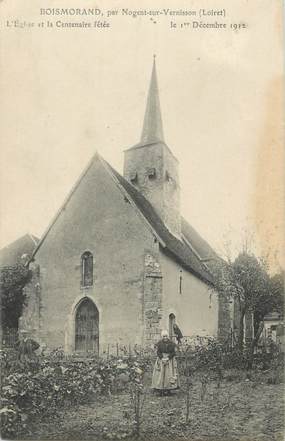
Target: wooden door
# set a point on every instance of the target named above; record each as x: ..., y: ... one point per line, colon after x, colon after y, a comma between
x: 87, y: 327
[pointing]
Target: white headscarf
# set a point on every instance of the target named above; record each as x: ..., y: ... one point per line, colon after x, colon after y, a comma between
x: 164, y: 333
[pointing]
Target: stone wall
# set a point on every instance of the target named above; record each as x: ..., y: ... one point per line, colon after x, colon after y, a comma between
x: 135, y: 285
x: 31, y: 318
x: 171, y: 193
x: 137, y: 166
x: 225, y: 322
x: 100, y: 219
x: 162, y: 187
x: 152, y: 300
x: 192, y: 301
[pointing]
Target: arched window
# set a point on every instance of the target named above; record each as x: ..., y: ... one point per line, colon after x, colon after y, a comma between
x: 87, y: 269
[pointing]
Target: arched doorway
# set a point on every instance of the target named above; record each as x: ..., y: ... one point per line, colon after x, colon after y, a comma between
x: 171, y: 323
x: 87, y: 327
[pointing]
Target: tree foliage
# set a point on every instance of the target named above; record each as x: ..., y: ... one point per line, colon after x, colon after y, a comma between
x: 247, y: 280
x: 12, y: 281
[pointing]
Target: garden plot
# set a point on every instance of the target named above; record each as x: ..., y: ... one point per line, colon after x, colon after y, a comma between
x: 241, y: 411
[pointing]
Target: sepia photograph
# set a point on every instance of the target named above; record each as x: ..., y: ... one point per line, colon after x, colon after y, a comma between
x: 142, y: 220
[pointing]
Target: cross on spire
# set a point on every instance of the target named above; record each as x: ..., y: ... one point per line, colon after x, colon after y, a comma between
x: 152, y: 126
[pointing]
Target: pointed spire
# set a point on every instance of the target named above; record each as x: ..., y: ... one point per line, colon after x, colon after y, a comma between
x: 152, y: 126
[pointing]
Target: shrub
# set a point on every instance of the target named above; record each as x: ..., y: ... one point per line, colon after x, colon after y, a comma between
x: 42, y: 389
x: 202, y: 356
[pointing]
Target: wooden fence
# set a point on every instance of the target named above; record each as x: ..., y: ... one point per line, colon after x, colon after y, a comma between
x: 9, y: 338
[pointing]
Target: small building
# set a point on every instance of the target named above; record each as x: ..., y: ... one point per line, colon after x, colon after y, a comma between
x: 13, y: 253
x: 274, y: 329
x: 119, y: 263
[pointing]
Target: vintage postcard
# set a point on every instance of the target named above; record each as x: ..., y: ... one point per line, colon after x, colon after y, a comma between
x: 142, y: 220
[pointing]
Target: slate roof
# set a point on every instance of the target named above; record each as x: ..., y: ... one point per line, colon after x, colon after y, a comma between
x: 12, y: 253
x: 202, y: 248
x: 152, y: 126
x: 187, y: 256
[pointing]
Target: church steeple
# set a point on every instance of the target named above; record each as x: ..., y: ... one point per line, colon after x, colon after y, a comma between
x: 152, y: 126
x: 151, y: 166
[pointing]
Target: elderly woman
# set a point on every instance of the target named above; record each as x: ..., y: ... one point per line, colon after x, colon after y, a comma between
x: 165, y: 374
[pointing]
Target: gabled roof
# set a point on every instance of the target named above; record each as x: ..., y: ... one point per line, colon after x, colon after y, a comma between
x: 12, y: 253
x: 187, y: 252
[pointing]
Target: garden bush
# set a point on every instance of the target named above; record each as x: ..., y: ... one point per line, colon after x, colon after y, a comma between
x: 45, y: 385
x: 41, y: 388
x: 210, y: 360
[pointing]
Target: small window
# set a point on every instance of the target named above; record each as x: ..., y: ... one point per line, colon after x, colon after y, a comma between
x: 134, y: 177
x: 169, y: 179
x: 180, y: 282
x: 87, y: 269
x: 151, y: 173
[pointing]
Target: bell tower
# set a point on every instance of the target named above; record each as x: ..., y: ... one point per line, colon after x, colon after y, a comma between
x: 151, y: 166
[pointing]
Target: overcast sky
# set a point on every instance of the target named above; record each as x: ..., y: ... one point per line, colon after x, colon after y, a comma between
x: 66, y: 93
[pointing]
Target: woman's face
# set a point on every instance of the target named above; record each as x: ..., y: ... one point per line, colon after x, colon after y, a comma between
x: 165, y: 337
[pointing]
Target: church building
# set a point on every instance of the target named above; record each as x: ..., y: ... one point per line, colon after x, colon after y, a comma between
x: 119, y: 263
